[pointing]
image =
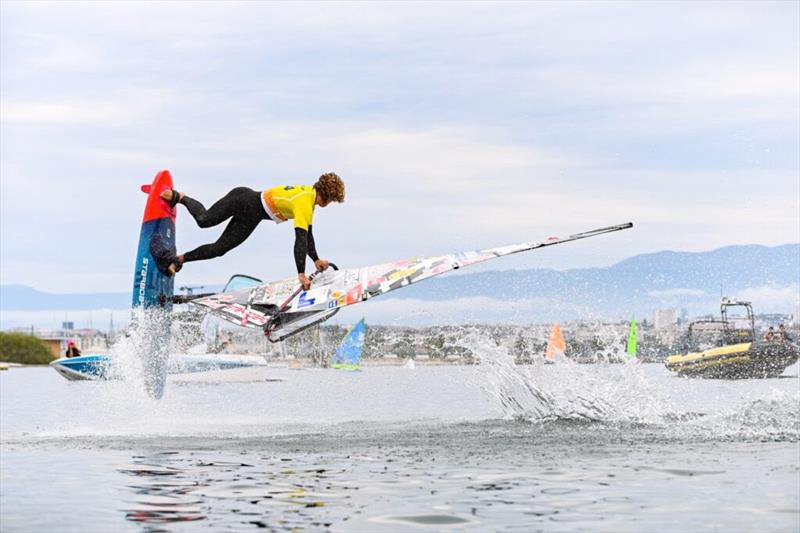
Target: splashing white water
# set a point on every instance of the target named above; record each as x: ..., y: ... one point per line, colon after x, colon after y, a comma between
x: 633, y: 393
x: 565, y: 390
x: 142, y: 355
x: 775, y: 416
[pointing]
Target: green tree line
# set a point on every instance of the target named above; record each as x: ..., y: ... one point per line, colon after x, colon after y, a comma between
x: 24, y: 349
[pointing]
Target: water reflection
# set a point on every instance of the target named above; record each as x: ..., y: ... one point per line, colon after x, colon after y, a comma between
x: 164, y: 492
x: 396, y: 489
x: 186, y: 487
x: 464, y: 478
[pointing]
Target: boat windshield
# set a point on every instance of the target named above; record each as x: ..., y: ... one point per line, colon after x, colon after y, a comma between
x: 239, y: 282
x: 704, y: 335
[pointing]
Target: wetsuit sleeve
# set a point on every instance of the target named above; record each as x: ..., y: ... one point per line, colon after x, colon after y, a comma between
x: 300, y: 249
x: 312, y: 248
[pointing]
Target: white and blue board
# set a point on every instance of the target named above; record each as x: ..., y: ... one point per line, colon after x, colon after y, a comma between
x: 153, y: 287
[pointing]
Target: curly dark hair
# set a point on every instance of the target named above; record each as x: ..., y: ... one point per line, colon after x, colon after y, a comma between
x: 330, y: 187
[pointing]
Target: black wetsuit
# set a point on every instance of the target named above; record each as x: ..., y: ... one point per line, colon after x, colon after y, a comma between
x: 243, y: 206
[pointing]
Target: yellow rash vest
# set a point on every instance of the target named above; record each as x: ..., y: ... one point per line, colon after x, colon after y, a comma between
x: 290, y: 201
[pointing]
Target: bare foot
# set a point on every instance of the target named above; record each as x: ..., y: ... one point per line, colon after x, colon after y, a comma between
x: 167, y: 196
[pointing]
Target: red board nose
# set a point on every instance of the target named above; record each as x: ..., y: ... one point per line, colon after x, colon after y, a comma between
x: 156, y: 206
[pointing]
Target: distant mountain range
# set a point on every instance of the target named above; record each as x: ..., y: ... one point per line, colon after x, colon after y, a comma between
x: 690, y: 280
x: 694, y: 281
x: 24, y: 298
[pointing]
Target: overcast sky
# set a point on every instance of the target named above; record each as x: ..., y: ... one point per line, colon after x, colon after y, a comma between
x: 454, y: 125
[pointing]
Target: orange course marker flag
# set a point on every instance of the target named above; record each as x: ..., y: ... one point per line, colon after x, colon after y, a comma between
x: 556, y: 344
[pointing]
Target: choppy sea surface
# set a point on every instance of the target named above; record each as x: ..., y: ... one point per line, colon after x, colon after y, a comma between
x: 491, y: 447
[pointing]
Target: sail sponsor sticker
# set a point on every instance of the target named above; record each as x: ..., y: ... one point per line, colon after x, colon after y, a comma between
x: 263, y: 293
x: 311, y: 298
x: 352, y: 276
x: 354, y: 294
x: 337, y: 298
x: 246, y: 315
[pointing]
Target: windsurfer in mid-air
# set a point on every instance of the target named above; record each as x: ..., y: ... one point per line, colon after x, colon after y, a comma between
x: 247, y: 208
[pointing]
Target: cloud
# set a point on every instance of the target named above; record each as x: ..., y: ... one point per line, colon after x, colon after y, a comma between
x: 424, y: 162
x: 455, y: 126
x: 55, y: 51
x: 126, y: 107
x: 767, y: 299
x: 60, y: 113
x: 676, y: 293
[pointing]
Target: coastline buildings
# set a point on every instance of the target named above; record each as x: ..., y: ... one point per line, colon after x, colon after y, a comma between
x: 665, y: 318
x: 87, y: 340
x: 586, y: 340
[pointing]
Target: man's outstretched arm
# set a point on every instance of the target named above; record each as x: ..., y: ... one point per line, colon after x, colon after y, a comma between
x: 304, y: 246
x: 300, y: 252
x: 321, y: 264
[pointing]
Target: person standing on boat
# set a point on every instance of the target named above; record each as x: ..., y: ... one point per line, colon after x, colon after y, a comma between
x: 72, y: 350
x: 783, y: 335
x: 246, y: 209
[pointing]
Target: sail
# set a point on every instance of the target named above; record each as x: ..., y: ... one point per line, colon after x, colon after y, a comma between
x: 631, y: 348
x: 556, y: 344
x: 348, y: 355
x: 282, y: 310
